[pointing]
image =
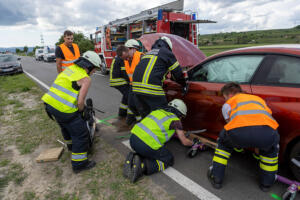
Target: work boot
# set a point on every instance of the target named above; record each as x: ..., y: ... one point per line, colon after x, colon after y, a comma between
x: 128, y: 165
x: 216, y: 184
x: 89, y: 165
x: 138, y: 169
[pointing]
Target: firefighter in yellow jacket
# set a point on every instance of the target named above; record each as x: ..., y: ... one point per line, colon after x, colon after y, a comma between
x: 148, y: 140
x: 249, y: 124
x: 65, y: 101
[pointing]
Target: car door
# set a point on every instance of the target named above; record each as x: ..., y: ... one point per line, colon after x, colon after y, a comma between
x: 204, y: 100
x: 278, y: 83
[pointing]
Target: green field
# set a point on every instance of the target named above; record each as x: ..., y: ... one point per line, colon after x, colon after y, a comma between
x: 215, y: 43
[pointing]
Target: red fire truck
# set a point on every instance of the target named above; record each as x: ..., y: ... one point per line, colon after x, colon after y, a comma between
x: 168, y: 18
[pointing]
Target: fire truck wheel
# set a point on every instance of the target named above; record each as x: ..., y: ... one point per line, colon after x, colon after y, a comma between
x: 103, y: 68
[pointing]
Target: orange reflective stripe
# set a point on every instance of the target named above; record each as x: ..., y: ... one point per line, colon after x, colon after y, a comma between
x: 70, y: 58
x: 130, y: 68
x: 249, y: 110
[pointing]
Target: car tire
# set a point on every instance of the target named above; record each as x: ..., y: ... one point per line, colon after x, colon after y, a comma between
x: 295, y: 152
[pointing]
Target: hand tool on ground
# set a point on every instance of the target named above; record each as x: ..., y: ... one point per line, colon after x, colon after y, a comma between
x: 200, y: 143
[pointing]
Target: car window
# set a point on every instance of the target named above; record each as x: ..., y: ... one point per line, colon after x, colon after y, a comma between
x: 226, y: 69
x: 285, y: 70
x: 7, y: 58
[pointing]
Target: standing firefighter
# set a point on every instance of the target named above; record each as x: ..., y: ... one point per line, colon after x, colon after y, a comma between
x: 149, y: 137
x: 249, y: 124
x: 150, y: 74
x: 66, y: 53
x: 119, y: 80
x: 132, y: 61
x: 65, y: 102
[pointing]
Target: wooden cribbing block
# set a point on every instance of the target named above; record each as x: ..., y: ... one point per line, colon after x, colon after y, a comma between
x: 50, y: 155
x: 206, y: 141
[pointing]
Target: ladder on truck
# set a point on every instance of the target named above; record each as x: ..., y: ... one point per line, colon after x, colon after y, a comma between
x: 149, y: 13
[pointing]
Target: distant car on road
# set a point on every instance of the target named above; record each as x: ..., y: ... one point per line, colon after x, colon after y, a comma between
x: 39, y: 54
x: 49, y: 53
x: 10, y: 64
x: 271, y: 72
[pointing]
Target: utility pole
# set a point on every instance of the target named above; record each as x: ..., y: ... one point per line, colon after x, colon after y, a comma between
x: 42, y: 40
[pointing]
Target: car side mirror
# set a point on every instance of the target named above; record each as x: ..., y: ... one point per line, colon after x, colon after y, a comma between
x: 19, y: 58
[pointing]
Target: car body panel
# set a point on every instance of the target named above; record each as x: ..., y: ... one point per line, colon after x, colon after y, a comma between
x: 186, y: 52
x: 204, y: 100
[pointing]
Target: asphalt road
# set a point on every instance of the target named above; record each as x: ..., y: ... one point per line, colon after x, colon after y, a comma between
x: 241, y: 180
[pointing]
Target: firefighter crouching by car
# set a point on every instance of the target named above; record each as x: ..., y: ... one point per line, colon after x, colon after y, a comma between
x: 134, y: 57
x: 149, y: 137
x: 65, y: 102
x: 249, y: 124
x: 150, y: 73
x: 119, y: 80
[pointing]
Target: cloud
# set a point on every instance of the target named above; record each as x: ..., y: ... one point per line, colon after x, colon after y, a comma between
x: 52, y: 17
x: 15, y: 12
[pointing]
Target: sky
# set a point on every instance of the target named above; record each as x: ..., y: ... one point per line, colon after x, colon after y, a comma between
x: 23, y: 21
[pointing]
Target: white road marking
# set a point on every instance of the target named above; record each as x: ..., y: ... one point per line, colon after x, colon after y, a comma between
x: 185, y: 182
x: 37, y: 80
x: 175, y: 175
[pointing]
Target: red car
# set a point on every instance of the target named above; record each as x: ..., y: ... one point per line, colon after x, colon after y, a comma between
x: 271, y: 72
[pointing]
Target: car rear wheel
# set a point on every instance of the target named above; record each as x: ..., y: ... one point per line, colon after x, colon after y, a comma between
x: 295, y: 153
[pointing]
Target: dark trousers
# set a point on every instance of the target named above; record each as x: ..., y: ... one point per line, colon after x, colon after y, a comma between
x: 124, y: 90
x: 73, y: 128
x: 148, y: 103
x: 154, y: 160
x: 133, y: 107
x: 264, y: 138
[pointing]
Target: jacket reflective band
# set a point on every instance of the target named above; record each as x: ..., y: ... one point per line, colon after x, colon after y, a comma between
x: 79, y: 156
x: 176, y: 64
x: 115, y: 81
x: 160, y: 124
x: 268, y: 164
x: 68, y: 62
x: 147, y: 130
x: 63, y: 101
x: 247, y: 102
x: 148, y: 91
x: 149, y: 67
x: 222, y: 153
x: 146, y: 85
x: 161, y: 165
x: 249, y: 112
x: 64, y: 90
x: 221, y: 156
x: 123, y: 106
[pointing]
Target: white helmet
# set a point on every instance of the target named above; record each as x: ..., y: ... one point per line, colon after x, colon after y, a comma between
x: 93, y: 58
x: 132, y: 43
x: 179, y: 105
x: 168, y: 41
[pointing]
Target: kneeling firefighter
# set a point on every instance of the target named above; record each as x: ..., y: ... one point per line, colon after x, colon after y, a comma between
x: 149, y: 137
x: 65, y: 102
x: 249, y: 124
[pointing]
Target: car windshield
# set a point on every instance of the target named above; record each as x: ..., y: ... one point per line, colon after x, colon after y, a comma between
x: 40, y: 51
x: 7, y: 58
